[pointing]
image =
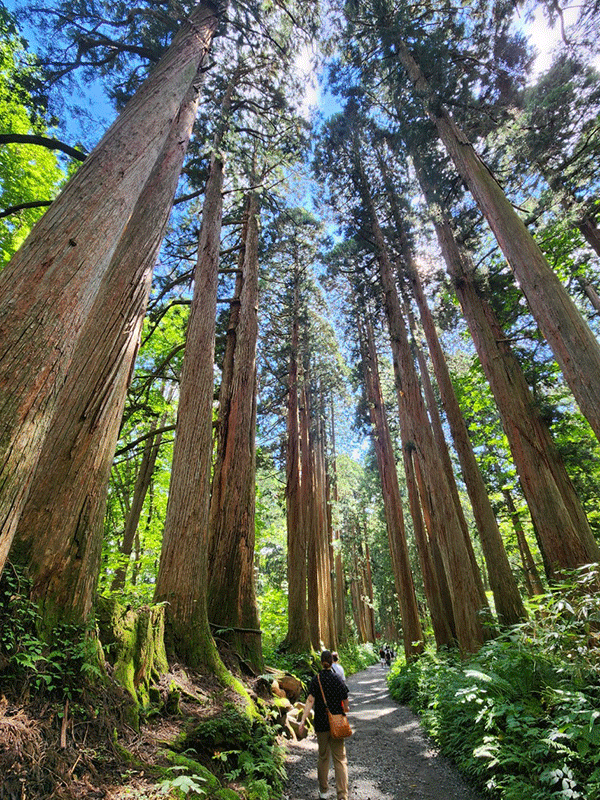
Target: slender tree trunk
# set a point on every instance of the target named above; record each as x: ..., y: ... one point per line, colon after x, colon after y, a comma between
x: 464, y: 590
x: 392, y: 501
x: 308, y: 505
x: 142, y: 484
x: 442, y: 620
x: 327, y: 595
x: 51, y: 284
x: 507, y: 599
x: 590, y: 231
x: 560, y: 522
x: 370, y: 611
x: 575, y: 347
x: 231, y: 594
x: 532, y: 577
x: 591, y: 294
x: 340, y: 593
x: 182, y: 574
x: 297, y: 639
x: 444, y: 453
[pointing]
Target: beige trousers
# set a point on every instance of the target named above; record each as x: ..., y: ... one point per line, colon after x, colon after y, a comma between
x: 337, y: 749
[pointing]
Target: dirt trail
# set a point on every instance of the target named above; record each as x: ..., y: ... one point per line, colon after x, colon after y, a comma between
x: 389, y: 756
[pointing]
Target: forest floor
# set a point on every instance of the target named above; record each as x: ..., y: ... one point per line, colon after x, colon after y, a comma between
x: 389, y: 756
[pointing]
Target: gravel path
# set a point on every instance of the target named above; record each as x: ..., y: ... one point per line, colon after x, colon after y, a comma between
x: 389, y: 756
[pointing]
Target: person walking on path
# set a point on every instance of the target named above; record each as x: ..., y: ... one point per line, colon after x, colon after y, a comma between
x: 337, y: 667
x: 336, y: 694
x: 389, y: 756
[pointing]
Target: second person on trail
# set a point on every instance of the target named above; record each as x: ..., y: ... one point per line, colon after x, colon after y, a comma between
x: 336, y: 694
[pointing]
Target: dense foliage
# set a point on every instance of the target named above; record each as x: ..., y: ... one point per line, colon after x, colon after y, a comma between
x: 522, y: 717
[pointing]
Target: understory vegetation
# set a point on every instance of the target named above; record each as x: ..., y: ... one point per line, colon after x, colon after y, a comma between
x: 521, y: 718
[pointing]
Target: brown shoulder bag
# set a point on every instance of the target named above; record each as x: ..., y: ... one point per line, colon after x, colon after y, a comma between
x: 339, y: 727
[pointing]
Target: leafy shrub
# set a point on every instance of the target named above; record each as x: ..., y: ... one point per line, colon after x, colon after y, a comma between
x: 246, y: 751
x: 56, y: 667
x: 522, y: 716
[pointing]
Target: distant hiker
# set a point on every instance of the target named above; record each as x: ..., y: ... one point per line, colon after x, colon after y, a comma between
x: 337, y: 667
x: 382, y: 657
x: 336, y: 694
x: 388, y: 657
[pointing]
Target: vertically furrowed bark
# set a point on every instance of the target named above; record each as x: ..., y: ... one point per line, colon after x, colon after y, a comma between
x: 51, y: 284
x: 530, y: 571
x: 563, y: 530
x: 297, y: 639
x: 142, y: 484
x: 61, y: 525
x: 392, y: 501
x: 231, y: 593
x: 308, y: 506
x: 507, y: 599
x: 338, y: 566
x: 464, y: 590
x: 182, y: 574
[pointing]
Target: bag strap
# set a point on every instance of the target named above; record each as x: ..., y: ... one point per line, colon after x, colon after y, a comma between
x: 322, y: 692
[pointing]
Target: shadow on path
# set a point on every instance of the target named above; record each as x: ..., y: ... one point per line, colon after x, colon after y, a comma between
x: 389, y: 757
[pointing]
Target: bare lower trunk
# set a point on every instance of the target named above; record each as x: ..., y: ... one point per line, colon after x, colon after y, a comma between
x: 182, y: 574
x: 440, y: 612
x: 297, y: 639
x: 530, y: 571
x: 392, y: 501
x: 464, y: 590
x: 507, y: 599
x: 231, y: 593
x: 51, y: 284
x: 142, y: 484
x: 561, y: 525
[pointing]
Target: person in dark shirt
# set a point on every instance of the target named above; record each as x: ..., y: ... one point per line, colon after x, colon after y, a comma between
x: 336, y: 693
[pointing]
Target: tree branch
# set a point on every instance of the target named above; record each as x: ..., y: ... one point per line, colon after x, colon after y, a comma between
x: 42, y: 141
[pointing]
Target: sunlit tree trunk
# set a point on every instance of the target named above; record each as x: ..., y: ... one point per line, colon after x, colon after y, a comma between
x: 507, y: 599
x: 392, y: 501
x: 575, y: 347
x: 51, y: 284
x: 338, y: 566
x: 560, y: 522
x: 308, y: 506
x: 61, y: 526
x: 442, y: 620
x: 231, y: 594
x: 142, y: 484
x: 464, y: 588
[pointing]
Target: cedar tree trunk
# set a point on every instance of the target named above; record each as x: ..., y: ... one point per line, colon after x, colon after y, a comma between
x: 50, y: 286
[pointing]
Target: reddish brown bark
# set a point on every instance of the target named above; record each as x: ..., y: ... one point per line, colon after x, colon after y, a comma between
x: 61, y: 526
x: 441, y: 510
x: 51, y: 284
x: 530, y: 571
x: 392, y: 501
x: 560, y: 522
x: 182, y: 574
x: 297, y: 639
x: 142, y: 484
x: 231, y: 593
